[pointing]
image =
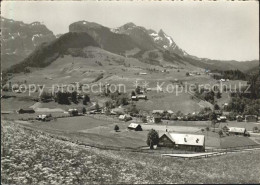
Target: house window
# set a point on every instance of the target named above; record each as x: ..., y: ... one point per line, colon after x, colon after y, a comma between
x: 185, y: 140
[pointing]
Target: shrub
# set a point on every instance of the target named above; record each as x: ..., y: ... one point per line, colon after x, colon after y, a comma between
x: 86, y: 99
x: 116, y: 128
x: 84, y: 110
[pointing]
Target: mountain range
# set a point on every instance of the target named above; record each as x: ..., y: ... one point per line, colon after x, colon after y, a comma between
x: 36, y: 46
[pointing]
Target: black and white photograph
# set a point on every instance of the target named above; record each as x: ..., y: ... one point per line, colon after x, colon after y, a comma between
x: 130, y: 92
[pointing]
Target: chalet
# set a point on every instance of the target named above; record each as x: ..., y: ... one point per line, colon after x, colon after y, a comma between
x: 142, y: 97
x: 135, y: 127
x: 156, y: 118
x: 118, y: 111
x: 218, y: 112
x: 251, y: 118
x: 222, y: 119
x: 41, y: 117
x: 182, y: 141
x: 237, y: 131
x: 157, y: 111
x: 239, y: 118
x: 26, y: 110
x: 125, y: 117
x: 170, y: 112
x: 73, y: 112
x: 134, y: 98
x: 225, y: 129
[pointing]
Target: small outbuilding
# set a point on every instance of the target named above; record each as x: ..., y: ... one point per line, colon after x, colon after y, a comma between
x: 135, y: 127
x: 142, y: 97
x: 134, y: 98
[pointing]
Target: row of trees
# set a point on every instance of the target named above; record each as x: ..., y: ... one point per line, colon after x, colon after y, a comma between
x: 244, y: 106
x: 64, y: 97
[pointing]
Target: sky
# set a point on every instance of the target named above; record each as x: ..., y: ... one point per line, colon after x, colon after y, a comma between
x: 224, y: 30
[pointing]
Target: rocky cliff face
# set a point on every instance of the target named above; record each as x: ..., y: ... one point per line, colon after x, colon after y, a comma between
x: 20, y: 38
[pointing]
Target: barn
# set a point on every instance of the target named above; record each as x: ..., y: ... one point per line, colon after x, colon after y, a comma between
x: 135, y: 127
x: 182, y: 141
x: 251, y: 118
x: 26, y: 110
x: 237, y: 131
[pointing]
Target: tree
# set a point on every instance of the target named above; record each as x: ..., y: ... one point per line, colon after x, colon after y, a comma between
x: 97, y: 107
x: 187, y: 74
x: 152, y: 138
x: 45, y: 96
x: 216, y: 107
x: 213, y: 116
x: 214, y: 122
x: 74, y: 98
x: 255, y: 129
x: 218, y: 95
x: 138, y: 90
x: 62, y: 98
x: 84, y: 110
x: 122, y: 100
x: 86, y: 99
x: 116, y: 128
x: 132, y: 93
x: 132, y: 109
x: 220, y: 133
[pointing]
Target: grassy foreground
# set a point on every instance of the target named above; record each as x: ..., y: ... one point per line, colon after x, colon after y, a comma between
x: 30, y: 158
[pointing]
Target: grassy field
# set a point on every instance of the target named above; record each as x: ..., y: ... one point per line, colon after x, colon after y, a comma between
x: 47, y: 160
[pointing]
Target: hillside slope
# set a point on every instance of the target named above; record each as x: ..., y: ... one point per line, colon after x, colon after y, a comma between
x: 46, y: 53
x: 52, y: 161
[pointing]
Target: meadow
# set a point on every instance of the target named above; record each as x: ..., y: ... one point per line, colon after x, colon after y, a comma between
x: 34, y: 158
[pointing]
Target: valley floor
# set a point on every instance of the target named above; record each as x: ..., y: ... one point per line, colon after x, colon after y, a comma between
x: 29, y: 157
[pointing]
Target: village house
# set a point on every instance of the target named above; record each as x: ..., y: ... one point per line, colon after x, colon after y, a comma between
x: 182, y: 141
x: 26, y: 110
x: 222, y: 119
x: 251, y: 118
x: 156, y: 118
x: 73, y: 112
x: 142, y: 97
x: 41, y: 117
x: 118, y: 111
x: 157, y: 111
x: 135, y: 127
x: 225, y: 129
x: 238, y: 131
x: 134, y: 98
x: 125, y: 117
x: 239, y: 118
